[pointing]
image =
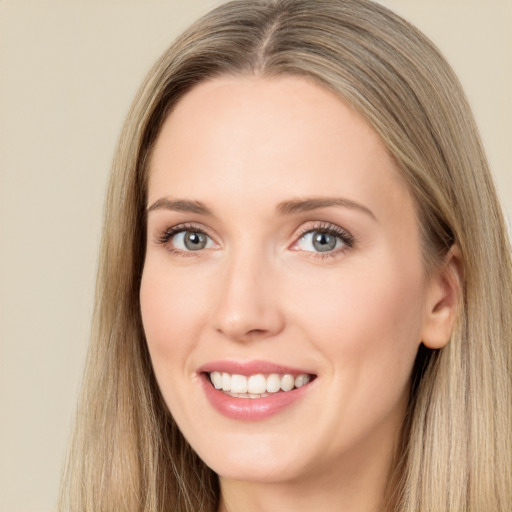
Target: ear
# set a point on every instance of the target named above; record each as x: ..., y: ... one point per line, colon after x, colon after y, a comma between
x: 443, y: 301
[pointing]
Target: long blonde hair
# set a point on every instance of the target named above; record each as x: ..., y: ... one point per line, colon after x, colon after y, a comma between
x: 127, y: 453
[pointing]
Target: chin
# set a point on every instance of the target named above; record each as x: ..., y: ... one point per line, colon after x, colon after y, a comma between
x: 258, y: 471
x: 255, y: 458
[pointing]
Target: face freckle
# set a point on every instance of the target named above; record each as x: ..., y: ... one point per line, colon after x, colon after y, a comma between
x: 279, y: 234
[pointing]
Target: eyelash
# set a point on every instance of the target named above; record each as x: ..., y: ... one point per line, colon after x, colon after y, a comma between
x: 329, y: 229
x: 167, y: 235
x: 321, y: 227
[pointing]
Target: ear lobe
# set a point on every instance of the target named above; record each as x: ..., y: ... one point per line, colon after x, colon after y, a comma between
x: 443, y: 301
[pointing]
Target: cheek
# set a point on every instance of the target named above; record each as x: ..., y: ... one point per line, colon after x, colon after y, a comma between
x: 368, y: 320
x: 168, y: 316
x: 170, y: 321
x: 367, y: 326
x: 155, y: 301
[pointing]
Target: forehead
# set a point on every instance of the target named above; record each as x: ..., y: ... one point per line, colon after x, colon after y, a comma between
x: 277, y: 137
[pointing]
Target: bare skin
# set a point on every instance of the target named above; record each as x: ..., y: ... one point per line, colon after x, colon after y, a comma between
x: 278, y: 230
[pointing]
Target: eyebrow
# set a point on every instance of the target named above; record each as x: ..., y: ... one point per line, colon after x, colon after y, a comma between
x: 284, y: 208
x: 180, y: 205
x: 315, y: 203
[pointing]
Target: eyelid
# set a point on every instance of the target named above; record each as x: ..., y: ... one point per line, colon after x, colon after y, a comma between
x: 166, y: 235
x: 327, y: 227
x: 323, y: 226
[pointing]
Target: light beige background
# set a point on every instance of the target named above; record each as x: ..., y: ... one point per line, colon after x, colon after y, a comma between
x: 68, y: 71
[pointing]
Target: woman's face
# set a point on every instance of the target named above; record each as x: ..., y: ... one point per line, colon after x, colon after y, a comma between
x: 283, y: 250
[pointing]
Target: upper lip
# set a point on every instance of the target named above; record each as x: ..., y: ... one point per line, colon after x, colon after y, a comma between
x: 250, y: 368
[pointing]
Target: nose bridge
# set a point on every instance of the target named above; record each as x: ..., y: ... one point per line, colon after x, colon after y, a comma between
x: 247, y: 306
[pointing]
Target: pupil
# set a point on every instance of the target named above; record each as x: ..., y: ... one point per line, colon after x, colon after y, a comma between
x: 324, y: 242
x: 195, y: 241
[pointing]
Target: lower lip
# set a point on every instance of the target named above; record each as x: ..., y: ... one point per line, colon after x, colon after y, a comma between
x: 251, y: 409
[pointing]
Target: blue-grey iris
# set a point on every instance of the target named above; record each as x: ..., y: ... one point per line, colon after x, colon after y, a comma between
x: 195, y: 241
x: 323, y: 242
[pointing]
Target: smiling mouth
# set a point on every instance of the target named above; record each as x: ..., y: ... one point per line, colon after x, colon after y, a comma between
x: 258, y: 385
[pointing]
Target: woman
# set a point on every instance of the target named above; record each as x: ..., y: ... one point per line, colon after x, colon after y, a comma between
x: 305, y: 285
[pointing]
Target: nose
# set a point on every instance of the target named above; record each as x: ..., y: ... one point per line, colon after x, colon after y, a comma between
x: 247, y: 305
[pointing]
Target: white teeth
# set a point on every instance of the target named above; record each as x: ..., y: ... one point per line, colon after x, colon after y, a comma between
x: 257, y: 385
x: 273, y: 383
x: 246, y: 395
x: 238, y: 384
x: 287, y: 382
x: 226, y: 381
x: 216, y: 378
x: 301, y: 380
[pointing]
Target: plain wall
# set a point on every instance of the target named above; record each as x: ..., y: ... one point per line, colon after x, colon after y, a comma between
x: 68, y: 72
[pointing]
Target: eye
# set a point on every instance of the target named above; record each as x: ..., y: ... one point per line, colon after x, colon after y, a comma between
x: 186, y: 239
x: 325, y: 239
x: 191, y: 241
x: 319, y: 241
